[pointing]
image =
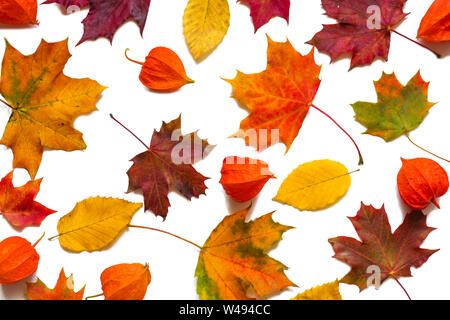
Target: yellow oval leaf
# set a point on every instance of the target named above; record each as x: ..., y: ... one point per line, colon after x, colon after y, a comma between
x: 327, y: 291
x: 314, y: 185
x: 205, y: 23
x: 95, y: 223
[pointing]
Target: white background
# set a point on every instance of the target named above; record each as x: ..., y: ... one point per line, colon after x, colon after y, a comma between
x: 70, y: 177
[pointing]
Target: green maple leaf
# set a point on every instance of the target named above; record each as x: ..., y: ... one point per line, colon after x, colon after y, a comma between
x: 399, y: 110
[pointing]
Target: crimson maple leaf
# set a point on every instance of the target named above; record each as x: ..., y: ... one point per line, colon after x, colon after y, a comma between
x: 358, y: 31
x: 69, y: 3
x: 105, y: 17
x: 262, y: 11
x: 17, y: 204
x: 167, y: 164
x: 394, y: 253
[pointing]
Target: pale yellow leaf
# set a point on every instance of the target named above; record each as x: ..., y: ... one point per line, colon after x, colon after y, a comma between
x: 95, y: 223
x: 205, y: 24
x: 315, y: 185
x: 327, y: 291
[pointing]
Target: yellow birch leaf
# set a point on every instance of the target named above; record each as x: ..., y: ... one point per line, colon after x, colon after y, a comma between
x: 327, y: 291
x: 205, y: 24
x: 95, y: 223
x: 314, y: 185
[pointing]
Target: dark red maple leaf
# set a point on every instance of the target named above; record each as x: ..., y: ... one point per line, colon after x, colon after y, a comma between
x: 167, y: 164
x: 17, y: 204
x: 394, y: 253
x: 356, y: 33
x: 105, y: 17
x: 262, y: 11
x: 69, y: 3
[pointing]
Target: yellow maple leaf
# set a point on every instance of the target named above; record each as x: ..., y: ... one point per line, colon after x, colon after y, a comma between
x: 44, y: 103
x: 314, y: 185
x: 327, y: 291
x: 95, y: 223
x: 205, y: 24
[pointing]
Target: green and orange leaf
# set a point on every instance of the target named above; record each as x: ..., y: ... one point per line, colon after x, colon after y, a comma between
x: 233, y: 263
x: 399, y: 109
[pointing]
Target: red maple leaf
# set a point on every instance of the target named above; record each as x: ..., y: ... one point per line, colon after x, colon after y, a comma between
x: 394, y: 253
x: 262, y: 11
x: 167, y: 164
x: 17, y: 204
x: 69, y: 3
x: 105, y: 17
x: 357, y: 32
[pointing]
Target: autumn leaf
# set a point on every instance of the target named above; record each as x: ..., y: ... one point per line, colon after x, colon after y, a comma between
x: 125, y: 281
x: 394, y: 253
x: 315, y: 185
x: 399, y: 109
x: 18, y: 259
x: 18, y: 12
x: 278, y: 98
x: 162, y: 70
x: 17, y: 204
x: 243, y: 178
x: 233, y: 263
x: 95, y: 223
x: 327, y: 291
x: 363, y: 30
x: 264, y: 10
x: 64, y: 290
x: 44, y: 103
x: 435, y: 25
x: 167, y: 164
x: 205, y: 24
x: 105, y: 17
x: 69, y: 3
x: 421, y: 181
x: 352, y: 33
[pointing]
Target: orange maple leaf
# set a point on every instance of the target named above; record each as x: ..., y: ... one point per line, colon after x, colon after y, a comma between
x: 279, y: 97
x: 63, y: 290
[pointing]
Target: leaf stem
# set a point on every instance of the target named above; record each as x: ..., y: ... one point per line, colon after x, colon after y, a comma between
x: 166, y: 232
x: 112, y: 117
x: 401, y: 286
x: 35, y: 244
x: 417, y: 42
x: 407, y: 135
x: 126, y: 56
x: 94, y: 296
x: 361, y: 161
x: 1, y: 100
